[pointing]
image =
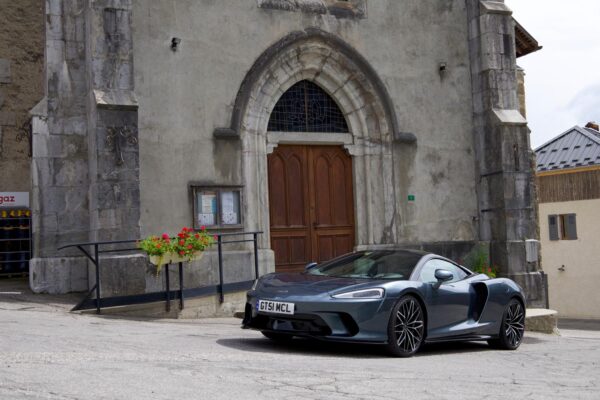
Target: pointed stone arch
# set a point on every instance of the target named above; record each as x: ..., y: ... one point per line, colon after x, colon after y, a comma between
x: 337, y: 68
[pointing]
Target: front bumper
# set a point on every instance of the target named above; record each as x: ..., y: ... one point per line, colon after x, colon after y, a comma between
x: 322, y: 317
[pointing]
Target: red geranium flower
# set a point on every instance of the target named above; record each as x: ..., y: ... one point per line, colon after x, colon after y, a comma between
x: 202, y: 228
x: 165, y: 236
x: 181, y: 242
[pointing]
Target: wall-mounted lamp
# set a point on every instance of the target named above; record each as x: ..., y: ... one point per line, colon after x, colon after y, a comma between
x: 175, y: 43
x: 442, y: 68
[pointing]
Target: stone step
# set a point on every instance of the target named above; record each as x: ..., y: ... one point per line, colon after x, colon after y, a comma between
x: 541, y: 320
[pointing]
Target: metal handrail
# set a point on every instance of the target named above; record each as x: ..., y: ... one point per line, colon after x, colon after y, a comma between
x: 95, y: 259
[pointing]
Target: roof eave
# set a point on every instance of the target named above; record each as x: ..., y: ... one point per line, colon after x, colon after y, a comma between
x: 525, y: 42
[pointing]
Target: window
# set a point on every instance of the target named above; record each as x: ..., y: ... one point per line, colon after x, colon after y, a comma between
x: 305, y: 107
x: 428, y: 271
x: 217, y: 206
x: 562, y: 227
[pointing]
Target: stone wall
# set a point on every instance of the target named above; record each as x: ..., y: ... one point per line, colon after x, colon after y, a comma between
x: 21, y: 87
x: 506, y: 188
x: 85, y: 161
x: 185, y: 95
x: 521, y: 91
x: 60, y: 170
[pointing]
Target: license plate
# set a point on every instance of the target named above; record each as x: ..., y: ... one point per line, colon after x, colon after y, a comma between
x: 275, y: 307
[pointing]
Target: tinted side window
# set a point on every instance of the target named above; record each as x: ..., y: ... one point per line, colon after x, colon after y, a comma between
x: 458, y: 273
x: 428, y: 271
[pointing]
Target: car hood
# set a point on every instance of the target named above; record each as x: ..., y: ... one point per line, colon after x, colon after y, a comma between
x: 292, y: 284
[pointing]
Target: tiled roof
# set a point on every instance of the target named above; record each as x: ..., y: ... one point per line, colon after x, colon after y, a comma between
x: 577, y: 147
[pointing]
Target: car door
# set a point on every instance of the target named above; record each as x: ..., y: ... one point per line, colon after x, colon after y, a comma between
x: 448, y: 304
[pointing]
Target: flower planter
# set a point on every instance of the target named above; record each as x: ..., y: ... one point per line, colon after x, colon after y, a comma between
x: 172, y: 258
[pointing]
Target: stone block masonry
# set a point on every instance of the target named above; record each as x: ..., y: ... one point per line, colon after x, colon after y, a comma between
x: 86, y: 162
x: 506, y: 191
x: 21, y: 86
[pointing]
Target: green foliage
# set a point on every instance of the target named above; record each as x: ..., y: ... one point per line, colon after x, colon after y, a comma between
x: 478, y: 261
x: 189, y: 242
x: 156, y: 246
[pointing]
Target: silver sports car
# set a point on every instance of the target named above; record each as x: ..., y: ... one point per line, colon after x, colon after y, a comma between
x: 400, y: 298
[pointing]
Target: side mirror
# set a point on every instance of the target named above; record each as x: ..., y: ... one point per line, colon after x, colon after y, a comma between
x: 442, y: 275
x: 310, y: 265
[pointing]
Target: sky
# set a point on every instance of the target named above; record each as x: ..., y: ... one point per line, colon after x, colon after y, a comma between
x: 562, y: 81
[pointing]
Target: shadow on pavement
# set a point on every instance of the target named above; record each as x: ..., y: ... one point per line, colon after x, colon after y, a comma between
x: 16, y: 290
x: 579, y: 324
x: 354, y: 350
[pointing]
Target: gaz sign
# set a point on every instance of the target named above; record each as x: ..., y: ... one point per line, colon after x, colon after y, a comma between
x: 14, y: 199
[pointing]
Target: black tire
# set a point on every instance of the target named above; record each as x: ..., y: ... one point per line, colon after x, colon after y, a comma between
x: 278, y: 337
x: 406, y: 327
x: 512, y: 329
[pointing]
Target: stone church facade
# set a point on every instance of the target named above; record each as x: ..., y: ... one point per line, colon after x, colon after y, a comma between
x: 162, y: 114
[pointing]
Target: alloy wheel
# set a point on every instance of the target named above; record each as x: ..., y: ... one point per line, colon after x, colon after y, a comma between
x: 408, y: 326
x: 514, y: 325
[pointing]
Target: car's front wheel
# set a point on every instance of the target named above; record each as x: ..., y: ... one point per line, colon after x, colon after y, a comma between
x: 512, y: 328
x: 279, y: 337
x: 406, y: 328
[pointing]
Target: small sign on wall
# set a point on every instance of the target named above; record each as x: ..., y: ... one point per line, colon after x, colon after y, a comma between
x: 14, y: 199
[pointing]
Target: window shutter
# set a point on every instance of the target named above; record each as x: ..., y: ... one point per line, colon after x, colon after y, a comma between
x: 553, y: 226
x: 571, y: 226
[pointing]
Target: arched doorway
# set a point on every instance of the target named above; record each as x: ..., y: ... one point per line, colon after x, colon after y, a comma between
x: 359, y: 95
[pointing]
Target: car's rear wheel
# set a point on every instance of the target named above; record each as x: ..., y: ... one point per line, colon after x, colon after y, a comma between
x: 512, y: 328
x: 278, y: 337
x: 406, y: 328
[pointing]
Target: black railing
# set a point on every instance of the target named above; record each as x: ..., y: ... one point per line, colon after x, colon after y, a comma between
x: 15, y: 241
x: 93, y: 250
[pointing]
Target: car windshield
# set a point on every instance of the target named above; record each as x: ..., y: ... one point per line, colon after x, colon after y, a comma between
x: 384, y: 264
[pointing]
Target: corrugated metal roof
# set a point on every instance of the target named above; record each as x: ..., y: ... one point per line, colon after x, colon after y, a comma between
x: 576, y: 147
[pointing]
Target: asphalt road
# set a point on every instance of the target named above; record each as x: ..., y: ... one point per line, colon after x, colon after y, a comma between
x: 48, y: 353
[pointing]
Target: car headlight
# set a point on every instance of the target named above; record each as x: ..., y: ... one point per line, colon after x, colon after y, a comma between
x: 376, y: 293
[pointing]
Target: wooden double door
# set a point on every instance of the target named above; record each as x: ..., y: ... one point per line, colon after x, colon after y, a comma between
x: 311, y: 204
